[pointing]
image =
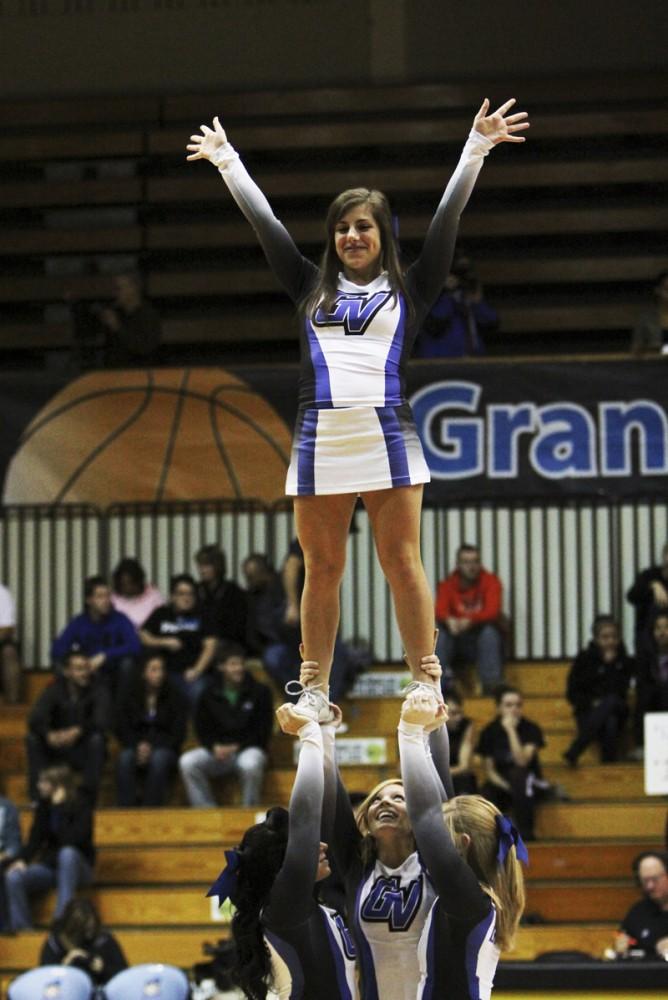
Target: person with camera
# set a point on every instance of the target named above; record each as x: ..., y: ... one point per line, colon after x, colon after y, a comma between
x: 454, y: 326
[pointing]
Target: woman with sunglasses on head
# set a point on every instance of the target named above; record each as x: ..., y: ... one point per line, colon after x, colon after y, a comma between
x: 472, y: 854
x: 287, y: 940
x: 355, y: 433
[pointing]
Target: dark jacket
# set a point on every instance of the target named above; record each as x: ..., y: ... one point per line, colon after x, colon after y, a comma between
x: 167, y: 728
x: 225, y: 609
x: 58, y: 708
x: 249, y: 722
x: 590, y: 679
x: 56, y: 826
x: 266, y: 612
x: 641, y: 596
x: 104, y: 948
x: 10, y: 831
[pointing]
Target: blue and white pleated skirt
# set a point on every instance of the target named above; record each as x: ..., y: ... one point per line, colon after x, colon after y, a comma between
x: 355, y: 449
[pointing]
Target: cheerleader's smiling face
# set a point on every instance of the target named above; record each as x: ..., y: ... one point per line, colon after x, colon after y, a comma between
x: 358, y: 244
x: 387, y: 812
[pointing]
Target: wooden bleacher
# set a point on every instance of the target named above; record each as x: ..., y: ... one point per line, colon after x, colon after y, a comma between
x: 567, y: 233
x: 154, y: 865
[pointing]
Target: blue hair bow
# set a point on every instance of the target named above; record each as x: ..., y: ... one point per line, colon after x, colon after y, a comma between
x: 509, y: 836
x: 226, y: 883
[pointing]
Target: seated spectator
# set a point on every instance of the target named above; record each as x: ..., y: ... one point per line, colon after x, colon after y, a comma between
x: 455, y: 324
x: 105, y: 635
x: 10, y: 848
x: 649, y: 595
x: 270, y: 636
x: 184, y: 635
x: 59, y: 851
x: 468, y: 612
x: 222, y: 601
x: 67, y: 724
x: 651, y: 679
x: 650, y: 335
x: 645, y: 927
x: 10, y: 664
x: 131, y: 594
x: 233, y: 722
x: 461, y: 734
x: 597, y: 688
x: 150, y: 726
x: 123, y: 333
x: 509, y: 748
x: 78, y: 939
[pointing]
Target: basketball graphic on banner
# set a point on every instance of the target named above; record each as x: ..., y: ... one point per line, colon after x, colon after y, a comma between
x: 150, y: 435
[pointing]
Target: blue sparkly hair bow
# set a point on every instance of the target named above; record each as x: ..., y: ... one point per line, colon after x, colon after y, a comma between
x: 225, y: 885
x: 509, y: 836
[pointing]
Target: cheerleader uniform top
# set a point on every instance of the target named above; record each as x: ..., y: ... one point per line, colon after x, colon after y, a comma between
x: 388, y: 908
x: 457, y: 953
x: 354, y: 428
x: 312, y: 953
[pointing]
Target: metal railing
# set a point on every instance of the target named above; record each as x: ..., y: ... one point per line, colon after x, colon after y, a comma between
x: 560, y: 562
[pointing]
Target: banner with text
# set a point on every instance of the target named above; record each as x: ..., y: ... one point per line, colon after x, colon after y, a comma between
x: 490, y: 430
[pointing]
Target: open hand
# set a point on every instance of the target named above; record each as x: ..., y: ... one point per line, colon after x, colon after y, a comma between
x: 202, y: 147
x: 497, y: 127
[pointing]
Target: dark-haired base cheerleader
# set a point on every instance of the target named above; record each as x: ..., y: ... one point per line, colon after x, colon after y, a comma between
x: 286, y: 940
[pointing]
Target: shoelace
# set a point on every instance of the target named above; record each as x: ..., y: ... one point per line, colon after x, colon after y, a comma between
x: 312, y: 694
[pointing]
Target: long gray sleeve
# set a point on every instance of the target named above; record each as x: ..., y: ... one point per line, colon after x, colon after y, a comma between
x: 295, y: 272
x: 427, y: 275
x: 292, y: 891
x: 455, y: 882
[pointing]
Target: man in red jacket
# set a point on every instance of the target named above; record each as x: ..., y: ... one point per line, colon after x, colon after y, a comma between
x: 468, y: 607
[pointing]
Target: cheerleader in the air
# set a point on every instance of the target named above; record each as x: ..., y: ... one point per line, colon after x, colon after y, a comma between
x: 355, y: 432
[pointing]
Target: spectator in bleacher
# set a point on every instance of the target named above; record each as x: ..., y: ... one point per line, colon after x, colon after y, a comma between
x: 651, y: 679
x: 131, y: 594
x: 649, y: 595
x: 455, y: 324
x: 597, y: 688
x: 509, y: 748
x: 131, y: 326
x: 645, y: 926
x: 233, y: 722
x: 10, y: 664
x: 68, y: 722
x: 10, y: 848
x: 223, y: 602
x: 106, y: 636
x: 650, y: 334
x: 78, y: 939
x: 468, y: 615
x: 184, y: 634
x: 269, y: 636
x: 150, y: 726
x: 461, y: 734
x: 59, y: 851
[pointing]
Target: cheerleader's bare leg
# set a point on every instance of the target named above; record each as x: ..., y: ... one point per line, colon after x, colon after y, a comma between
x: 395, y: 521
x: 323, y: 524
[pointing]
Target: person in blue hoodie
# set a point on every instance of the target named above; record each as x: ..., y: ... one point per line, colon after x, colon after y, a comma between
x: 106, y: 636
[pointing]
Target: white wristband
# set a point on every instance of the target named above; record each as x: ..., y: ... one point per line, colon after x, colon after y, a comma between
x: 224, y: 155
x: 411, y: 730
